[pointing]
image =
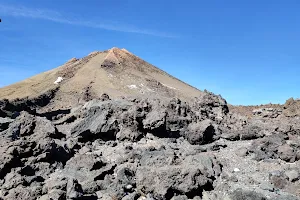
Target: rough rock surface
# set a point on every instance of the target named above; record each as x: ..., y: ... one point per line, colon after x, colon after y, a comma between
x: 135, y: 149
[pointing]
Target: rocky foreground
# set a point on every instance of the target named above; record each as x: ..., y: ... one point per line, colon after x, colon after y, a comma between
x: 138, y: 149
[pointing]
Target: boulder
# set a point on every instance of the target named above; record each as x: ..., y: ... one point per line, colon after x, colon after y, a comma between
x: 178, y: 179
x: 286, y: 153
x: 211, y: 106
x: 201, y: 133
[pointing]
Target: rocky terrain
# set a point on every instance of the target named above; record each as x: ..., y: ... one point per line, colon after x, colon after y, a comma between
x: 147, y: 149
x: 111, y: 126
x: 291, y: 108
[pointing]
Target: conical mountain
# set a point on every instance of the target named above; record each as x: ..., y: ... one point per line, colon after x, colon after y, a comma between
x: 116, y: 72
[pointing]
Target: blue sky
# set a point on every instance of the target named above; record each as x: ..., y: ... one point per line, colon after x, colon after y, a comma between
x: 247, y: 51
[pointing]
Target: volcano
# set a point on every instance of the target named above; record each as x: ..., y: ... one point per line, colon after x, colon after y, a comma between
x: 116, y: 72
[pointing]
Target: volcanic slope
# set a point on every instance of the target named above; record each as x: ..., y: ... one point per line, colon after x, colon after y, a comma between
x: 116, y: 72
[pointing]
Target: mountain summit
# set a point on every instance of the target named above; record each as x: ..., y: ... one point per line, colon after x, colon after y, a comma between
x: 116, y: 72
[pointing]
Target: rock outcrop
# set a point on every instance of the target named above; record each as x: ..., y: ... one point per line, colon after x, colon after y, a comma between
x: 139, y: 148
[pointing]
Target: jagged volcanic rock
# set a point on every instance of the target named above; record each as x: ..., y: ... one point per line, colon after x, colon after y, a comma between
x: 137, y: 148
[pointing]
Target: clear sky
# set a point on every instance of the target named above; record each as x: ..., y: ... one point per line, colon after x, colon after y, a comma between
x: 247, y: 51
